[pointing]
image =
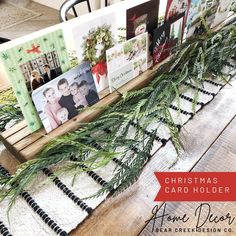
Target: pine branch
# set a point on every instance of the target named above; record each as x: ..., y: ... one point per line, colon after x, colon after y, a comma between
x: 194, y: 61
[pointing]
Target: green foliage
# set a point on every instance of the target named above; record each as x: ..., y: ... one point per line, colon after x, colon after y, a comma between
x: 233, y: 6
x: 100, y: 35
x: 8, y: 110
x: 9, y: 113
x: 7, y: 97
x: 98, y: 142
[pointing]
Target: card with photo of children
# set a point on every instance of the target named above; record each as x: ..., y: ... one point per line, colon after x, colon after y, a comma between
x: 133, y: 58
x: 135, y: 47
x: 63, y: 98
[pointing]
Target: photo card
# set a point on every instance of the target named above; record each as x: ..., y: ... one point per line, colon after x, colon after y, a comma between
x: 127, y: 60
x: 140, y: 19
x: 63, y: 98
x: 177, y: 7
x: 177, y: 27
x: 32, y: 64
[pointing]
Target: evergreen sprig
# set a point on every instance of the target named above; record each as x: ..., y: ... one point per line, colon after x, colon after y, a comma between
x: 122, y: 125
x: 9, y: 110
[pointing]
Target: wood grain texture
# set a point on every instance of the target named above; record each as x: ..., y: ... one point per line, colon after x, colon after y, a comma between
x: 14, y: 129
x: 221, y: 157
x: 8, y: 161
x: 127, y: 213
x: 25, y: 145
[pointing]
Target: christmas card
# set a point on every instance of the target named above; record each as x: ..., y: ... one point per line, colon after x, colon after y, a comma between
x: 92, y: 38
x: 64, y: 97
x: 127, y: 60
x: 161, y: 48
x: 193, y: 18
x: 176, y: 7
x: 177, y: 27
x: 121, y: 13
x: 162, y: 12
x: 32, y: 64
x: 142, y: 18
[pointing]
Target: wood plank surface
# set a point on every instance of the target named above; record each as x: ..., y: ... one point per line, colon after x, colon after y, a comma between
x: 29, y: 140
x: 8, y: 161
x: 221, y: 157
x: 21, y: 134
x: 89, y: 114
x: 13, y: 129
x: 126, y: 214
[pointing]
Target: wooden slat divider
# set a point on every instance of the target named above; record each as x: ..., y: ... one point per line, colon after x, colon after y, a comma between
x: 14, y: 129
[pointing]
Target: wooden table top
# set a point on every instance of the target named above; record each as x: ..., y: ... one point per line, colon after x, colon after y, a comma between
x: 126, y: 214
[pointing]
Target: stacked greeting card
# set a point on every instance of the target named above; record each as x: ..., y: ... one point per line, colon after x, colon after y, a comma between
x: 112, y: 46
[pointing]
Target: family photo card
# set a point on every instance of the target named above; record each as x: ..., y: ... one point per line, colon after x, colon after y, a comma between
x: 140, y: 19
x: 127, y: 60
x: 63, y: 98
x: 33, y: 64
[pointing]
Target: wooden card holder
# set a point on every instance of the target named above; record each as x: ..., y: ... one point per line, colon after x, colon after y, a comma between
x: 25, y: 145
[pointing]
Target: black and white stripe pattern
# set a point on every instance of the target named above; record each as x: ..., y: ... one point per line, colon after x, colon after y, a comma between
x: 92, y: 174
x: 213, y: 83
x: 157, y: 138
x: 42, y: 214
x: 4, y: 230
x: 36, y: 208
x: 227, y: 63
x: 200, y: 89
x: 97, y: 178
x: 67, y: 191
x: 191, y: 100
x: 182, y: 111
x: 162, y: 119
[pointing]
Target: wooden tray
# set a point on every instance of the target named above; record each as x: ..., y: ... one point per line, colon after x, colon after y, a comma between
x: 25, y: 145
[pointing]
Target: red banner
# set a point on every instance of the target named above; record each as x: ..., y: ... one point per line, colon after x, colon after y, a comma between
x: 196, y: 186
